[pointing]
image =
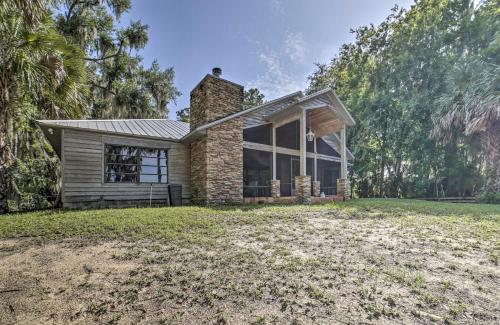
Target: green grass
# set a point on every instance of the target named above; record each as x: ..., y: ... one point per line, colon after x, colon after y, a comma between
x: 379, y: 260
x: 197, y: 223
x: 187, y: 223
x: 401, y: 207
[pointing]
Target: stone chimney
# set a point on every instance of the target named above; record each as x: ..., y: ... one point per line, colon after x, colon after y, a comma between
x: 217, y: 156
x: 214, y: 98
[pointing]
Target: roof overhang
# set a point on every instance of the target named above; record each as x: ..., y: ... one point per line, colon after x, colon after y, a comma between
x: 202, y: 130
x: 325, y: 112
x: 55, y: 125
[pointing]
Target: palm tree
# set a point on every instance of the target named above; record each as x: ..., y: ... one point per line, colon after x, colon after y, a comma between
x: 472, y: 104
x: 37, y: 67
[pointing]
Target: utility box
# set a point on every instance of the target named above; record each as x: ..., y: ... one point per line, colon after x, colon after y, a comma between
x: 175, y: 194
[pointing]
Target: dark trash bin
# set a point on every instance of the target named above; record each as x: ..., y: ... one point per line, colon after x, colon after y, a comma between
x: 175, y: 194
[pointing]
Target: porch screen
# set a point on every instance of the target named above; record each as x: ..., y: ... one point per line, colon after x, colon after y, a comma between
x: 257, y: 173
x: 287, y: 136
x: 126, y: 164
x: 328, y: 172
x: 258, y: 134
x: 325, y: 149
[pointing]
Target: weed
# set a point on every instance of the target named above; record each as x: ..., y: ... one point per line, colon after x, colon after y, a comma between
x: 494, y: 258
x: 447, y: 285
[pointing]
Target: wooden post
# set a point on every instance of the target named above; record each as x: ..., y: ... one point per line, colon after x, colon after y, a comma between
x: 302, y: 131
x: 315, y: 171
x: 274, y: 152
x: 343, y: 152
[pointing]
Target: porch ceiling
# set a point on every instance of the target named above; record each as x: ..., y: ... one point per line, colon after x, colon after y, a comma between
x: 325, y: 114
x: 323, y: 121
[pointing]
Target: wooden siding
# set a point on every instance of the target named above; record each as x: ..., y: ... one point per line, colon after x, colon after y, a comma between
x: 83, y: 165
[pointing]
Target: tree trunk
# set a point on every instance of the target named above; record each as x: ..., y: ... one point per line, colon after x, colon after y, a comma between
x: 4, y: 160
x: 493, y: 157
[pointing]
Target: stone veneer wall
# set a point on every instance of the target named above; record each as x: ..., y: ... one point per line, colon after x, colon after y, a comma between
x: 275, y: 188
x: 316, y: 188
x: 303, y: 189
x: 225, y: 162
x: 199, y: 170
x: 213, y: 99
x: 343, y: 188
x: 217, y: 157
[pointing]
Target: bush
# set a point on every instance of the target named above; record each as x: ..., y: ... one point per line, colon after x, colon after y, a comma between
x: 488, y: 197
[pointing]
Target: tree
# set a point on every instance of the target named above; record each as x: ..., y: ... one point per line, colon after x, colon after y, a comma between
x: 40, y: 69
x: 183, y: 115
x: 120, y: 86
x: 252, y: 97
x: 391, y: 78
x: 472, y: 105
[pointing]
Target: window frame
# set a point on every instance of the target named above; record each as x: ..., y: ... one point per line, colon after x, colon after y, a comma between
x: 137, y: 174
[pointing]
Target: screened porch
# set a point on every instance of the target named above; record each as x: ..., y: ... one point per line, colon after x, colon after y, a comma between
x: 258, y: 161
x: 300, y: 150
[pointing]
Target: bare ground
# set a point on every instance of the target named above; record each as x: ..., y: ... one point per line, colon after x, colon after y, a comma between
x: 318, y: 267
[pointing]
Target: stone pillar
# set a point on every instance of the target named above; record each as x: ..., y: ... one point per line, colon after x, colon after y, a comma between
x: 303, y: 189
x: 316, y: 188
x: 343, y: 188
x: 275, y: 188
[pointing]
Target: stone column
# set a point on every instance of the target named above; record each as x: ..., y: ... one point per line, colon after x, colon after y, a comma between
x: 316, y: 188
x: 343, y: 188
x: 275, y: 188
x: 303, y: 189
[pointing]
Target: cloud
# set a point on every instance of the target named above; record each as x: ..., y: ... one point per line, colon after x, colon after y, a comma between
x: 283, y: 66
x: 278, y: 7
x: 277, y: 80
x: 295, y: 47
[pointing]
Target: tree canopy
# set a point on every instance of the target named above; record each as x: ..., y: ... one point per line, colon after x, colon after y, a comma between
x: 121, y: 87
x: 252, y: 97
x: 67, y: 59
x: 423, y: 87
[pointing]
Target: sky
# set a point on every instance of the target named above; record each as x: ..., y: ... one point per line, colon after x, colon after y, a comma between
x: 269, y: 44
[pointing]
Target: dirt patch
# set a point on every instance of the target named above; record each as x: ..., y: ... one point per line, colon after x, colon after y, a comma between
x: 317, y: 267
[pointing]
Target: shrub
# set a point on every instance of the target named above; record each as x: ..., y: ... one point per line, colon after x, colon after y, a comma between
x: 488, y: 197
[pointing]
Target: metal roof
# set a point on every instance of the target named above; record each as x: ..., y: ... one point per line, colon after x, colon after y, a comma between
x: 156, y: 128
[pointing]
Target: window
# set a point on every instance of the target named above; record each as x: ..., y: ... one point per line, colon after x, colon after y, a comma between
x: 125, y: 164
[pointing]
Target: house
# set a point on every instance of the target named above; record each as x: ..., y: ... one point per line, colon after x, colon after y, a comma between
x: 290, y: 148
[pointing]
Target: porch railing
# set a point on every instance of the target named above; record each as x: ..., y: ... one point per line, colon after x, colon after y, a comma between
x: 256, y: 191
x: 328, y: 190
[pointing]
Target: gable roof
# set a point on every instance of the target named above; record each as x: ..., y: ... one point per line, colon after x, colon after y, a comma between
x: 325, y: 97
x: 202, y: 128
x: 150, y: 128
x: 274, y: 106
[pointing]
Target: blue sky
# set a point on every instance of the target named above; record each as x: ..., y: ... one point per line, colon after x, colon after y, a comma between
x: 268, y: 44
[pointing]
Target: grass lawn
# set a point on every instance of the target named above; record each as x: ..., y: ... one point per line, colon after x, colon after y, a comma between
x: 362, y: 261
